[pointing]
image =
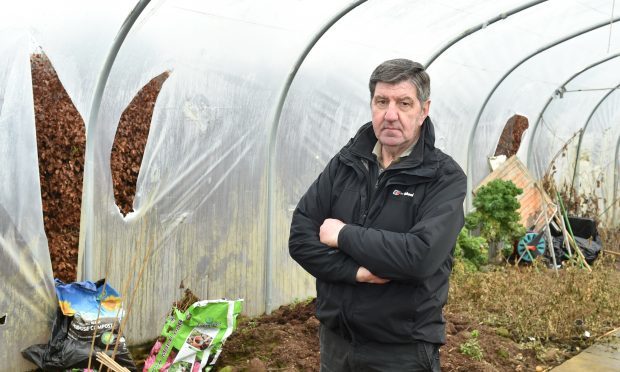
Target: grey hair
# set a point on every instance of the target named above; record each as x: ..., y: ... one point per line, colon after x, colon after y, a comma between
x: 395, y: 71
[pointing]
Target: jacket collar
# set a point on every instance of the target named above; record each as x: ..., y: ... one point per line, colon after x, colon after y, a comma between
x: 422, y: 154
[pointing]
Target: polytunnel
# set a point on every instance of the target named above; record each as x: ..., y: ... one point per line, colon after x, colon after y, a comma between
x: 260, y: 95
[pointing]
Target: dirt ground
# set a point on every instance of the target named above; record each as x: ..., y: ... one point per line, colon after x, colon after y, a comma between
x: 287, y: 340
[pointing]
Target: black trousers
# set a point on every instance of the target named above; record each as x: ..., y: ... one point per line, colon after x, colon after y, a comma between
x: 339, y: 355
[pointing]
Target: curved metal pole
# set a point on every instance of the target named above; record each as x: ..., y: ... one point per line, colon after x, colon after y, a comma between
x: 500, y: 81
x: 585, y: 126
x: 479, y: 27
x: 617, y: 164
x: 271, y: 159
x: 87, y: 192
x: 562, y: 86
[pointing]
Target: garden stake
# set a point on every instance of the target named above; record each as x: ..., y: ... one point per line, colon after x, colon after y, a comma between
x: 549, y: 237
x: 560, y: 220
x: 568, y: 242
x: 608, y: 333
x: 580, y: 254
x: 571, y: 237
x: 145, y: 259
x: 105, y: 281
x: 127, y: 280
x: 110, y: 363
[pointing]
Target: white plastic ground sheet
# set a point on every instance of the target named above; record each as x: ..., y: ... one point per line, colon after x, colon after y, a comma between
x: 260, y: 95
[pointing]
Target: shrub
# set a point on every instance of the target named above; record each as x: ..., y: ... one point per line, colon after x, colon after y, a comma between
x: 472, y: 250
x: 496, y: 215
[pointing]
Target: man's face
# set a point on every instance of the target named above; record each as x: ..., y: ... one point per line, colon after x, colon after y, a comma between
x: 397, y: 115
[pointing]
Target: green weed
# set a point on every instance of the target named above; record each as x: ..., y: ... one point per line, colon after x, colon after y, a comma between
x: 471, y: 347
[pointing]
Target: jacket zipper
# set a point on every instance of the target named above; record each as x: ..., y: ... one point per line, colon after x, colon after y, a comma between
x: 374, y: 191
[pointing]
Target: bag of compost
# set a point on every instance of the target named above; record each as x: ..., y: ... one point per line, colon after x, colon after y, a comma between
x: 192, y: 340
x: 82, y: 307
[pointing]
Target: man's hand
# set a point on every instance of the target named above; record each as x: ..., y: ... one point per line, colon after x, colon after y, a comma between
x: 365, y: 276
x: 329, y: 231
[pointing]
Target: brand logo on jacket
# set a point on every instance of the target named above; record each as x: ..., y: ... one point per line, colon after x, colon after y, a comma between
x: 400, y: 193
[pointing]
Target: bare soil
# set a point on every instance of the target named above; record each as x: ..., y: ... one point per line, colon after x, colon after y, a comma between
x: 287, y: 340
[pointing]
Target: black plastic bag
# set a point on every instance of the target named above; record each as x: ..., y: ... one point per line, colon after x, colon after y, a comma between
x: 70, y: 344
x: 586, y: 237
x: 590, y: 249
x: 561, y: 254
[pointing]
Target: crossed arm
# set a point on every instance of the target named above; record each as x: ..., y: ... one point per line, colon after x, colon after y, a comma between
x: 310, y: 227
x: 328, y: 234
x: 331, y: 250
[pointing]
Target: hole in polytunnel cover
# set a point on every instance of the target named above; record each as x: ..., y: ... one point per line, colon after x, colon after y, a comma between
x: 3, y: 320
x: 130, y: 141
x: 61, y: 142
x: 510, y: 139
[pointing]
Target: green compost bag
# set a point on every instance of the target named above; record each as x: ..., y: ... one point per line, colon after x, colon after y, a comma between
x: 192, y: 340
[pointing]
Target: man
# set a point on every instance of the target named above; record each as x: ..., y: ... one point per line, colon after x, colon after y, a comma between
x: 377, y: 229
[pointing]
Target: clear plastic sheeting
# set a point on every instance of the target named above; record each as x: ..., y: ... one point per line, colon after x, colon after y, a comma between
x: 541, y: 77
x: 201, y: 201
x: 27, y: 298
x: 76, y: 37
x: 260, y: 95
x: 589, y: 100
x: 594, y: 172
x: 512, y: 67
x: 573, y: 101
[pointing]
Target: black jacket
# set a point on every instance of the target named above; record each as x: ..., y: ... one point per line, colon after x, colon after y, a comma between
x: 401, y: 225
